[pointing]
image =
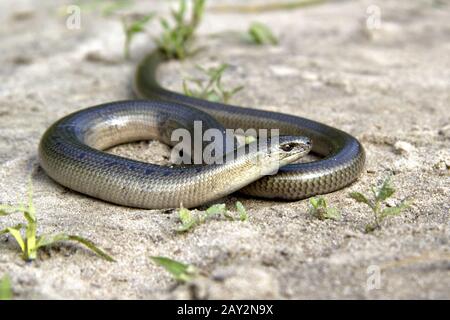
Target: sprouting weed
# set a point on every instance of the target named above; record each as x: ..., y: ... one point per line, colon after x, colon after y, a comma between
x: 180, y: 271
x: 5, y: 288
x: 177, y: 35
x: 380, y: 210
x: 320, y: 209
x: 243, y: 215
x: 132, y: 29
x: 261, y: 34
x: 191, y: 219
x: 29, y: 241
x: 211, y: 88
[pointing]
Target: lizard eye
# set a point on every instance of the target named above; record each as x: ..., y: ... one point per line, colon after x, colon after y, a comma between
x: 288, y: 146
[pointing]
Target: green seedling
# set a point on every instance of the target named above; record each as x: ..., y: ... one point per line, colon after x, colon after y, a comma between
x: 191, y: 219
x: 380, y: 210
x: 243, y: 216
x: 29, y: 241
x: 211, y: 88
x: 261, y: 34
x: 180, y: 272
x: 319, y: 209
x: 177, y: 35
x: 132, y: 29
x: 5, y: 288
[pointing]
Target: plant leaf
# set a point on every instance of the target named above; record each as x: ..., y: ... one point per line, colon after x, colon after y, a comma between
x: 243, y: 216
x: 332, y: 213
x: 233, y: 91
x: 164, y: 23
x: 5, y: 288
x: 321, y: 202
x: 179, y: 271
x: 187, y: 226
x: 216, y: 209
x: 138, y: 25
x: 386, y: 190
x: 261, y: 34
x: 132, y: 29
x: 197, y: 12
x: 30, y: 230
x: 18, y: 226
x: 175, y: 39
x: 90, y: 245
x: 187, y: 220
x: 313, y: 202
x: 359, y: 197
x: 31, y: 211
x: 186, y: 89
x: 212, y: 96
x: 15, y: 232
x: 46, y: 240
x: 320, y: 209
x: 184, y: 215
x: 392, y: 211
x: 212, y: 90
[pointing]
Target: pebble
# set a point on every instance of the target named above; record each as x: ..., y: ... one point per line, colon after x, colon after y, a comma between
x: 442, y: 165
x: 280, y: 70
x: 403, y: 147
x: 443, y: 160
x: 391, y: 202
x: 311, y: 76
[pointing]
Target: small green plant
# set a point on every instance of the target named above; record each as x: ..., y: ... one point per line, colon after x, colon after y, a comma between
x: 176, y: 38
x: 380, y: 210
x: 180, y: 272
x: 132, y: 29
x: 243, y: 216
x: 30, y: 242
x: 191, y: 219
x: 319, y: 209
x: 261, y: 34
x: 5, y: 288
x: 212, y: 88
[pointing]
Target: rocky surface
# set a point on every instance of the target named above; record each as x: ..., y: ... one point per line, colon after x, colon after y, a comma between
x: 386, y: 81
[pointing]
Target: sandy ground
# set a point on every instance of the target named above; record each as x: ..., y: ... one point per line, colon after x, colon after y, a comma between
x: 390, y: 87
